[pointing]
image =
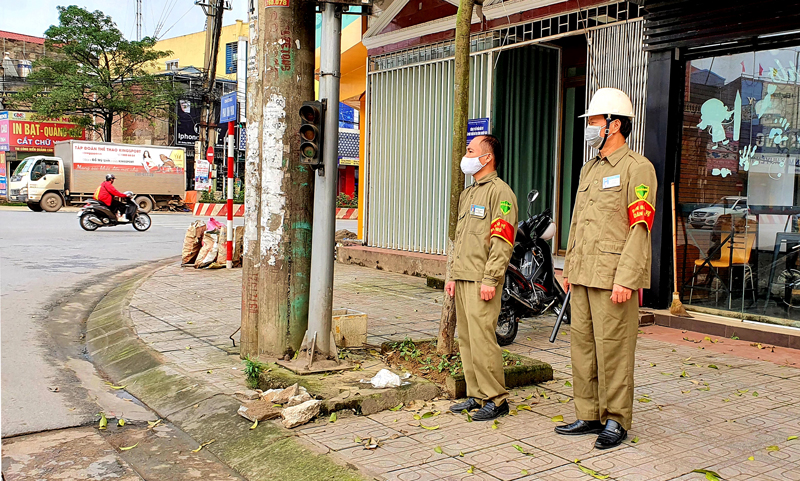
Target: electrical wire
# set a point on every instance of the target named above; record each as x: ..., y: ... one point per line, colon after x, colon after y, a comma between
x: 162, y: 34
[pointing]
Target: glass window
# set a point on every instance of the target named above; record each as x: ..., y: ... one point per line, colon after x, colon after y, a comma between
x: 738, y: 193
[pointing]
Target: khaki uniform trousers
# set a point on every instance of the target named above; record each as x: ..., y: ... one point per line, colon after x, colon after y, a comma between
x: 603, y: 345
x: 481, y: 356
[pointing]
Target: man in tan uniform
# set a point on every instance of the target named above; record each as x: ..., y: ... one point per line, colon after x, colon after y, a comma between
x: 487, y: 222
x: 607, y: 261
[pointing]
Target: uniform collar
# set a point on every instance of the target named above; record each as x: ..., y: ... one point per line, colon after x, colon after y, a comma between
x: 486, y: 178
x: 617, y: 155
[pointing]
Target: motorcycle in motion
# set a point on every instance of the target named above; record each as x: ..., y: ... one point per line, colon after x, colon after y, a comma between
x: 530, y: 288
x: 95, y: 214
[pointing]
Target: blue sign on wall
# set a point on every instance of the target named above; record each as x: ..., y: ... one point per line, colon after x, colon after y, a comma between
x: 477, y: 127
x: 228, y: 108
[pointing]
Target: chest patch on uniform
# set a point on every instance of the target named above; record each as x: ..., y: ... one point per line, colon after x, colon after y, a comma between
x: 612, y: 181
x: 505, y: 207
x: 477, y: 211
x: 641, y: 211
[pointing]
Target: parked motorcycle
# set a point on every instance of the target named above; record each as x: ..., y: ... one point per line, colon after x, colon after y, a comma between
x: 95, y: 214
x: 530, y: 288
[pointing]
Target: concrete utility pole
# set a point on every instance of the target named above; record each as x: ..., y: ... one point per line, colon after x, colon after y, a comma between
x: 447, y: 324
x: 278, y: 190
x: 319, y: 332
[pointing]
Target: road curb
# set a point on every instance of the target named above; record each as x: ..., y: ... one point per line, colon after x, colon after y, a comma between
x: 266, y: 453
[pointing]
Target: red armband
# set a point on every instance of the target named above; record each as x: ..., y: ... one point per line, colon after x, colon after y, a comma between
x: 641, y: 211
x: 503, y: 230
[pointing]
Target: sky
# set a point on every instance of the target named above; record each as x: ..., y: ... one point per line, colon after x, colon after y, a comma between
x: 179, y: 17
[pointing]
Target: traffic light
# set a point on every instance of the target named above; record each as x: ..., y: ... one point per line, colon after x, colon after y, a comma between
x: 312, y: 126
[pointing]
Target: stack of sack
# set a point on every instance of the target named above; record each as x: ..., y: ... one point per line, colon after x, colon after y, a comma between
x: 205, y: 245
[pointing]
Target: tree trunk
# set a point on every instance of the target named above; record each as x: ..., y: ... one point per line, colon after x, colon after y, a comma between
x: 278, y: 192
x: 109, y: 123
x: 447, y: 324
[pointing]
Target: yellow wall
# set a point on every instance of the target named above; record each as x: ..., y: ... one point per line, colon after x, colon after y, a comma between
x: 353, y: 63
x: 189, y: 49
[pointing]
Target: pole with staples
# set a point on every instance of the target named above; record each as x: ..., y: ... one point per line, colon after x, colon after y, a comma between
x: 324, y: 228
x: 229, y: 257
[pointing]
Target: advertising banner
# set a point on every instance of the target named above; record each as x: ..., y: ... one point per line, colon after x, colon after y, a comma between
x: 187, y: 124
x: 20, y: 133
x: 3, y: 179
x: 116, y: 158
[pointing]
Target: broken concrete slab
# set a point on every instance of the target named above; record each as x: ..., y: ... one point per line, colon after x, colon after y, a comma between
x: 299, y: 399
x: 248, y: 395
x: 259, y: 410
x: 300, y: 414
x: 282, y: 397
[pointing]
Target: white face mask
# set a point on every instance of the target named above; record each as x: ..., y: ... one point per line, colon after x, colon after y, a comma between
x: 592, y: 135
x: 471, y: 165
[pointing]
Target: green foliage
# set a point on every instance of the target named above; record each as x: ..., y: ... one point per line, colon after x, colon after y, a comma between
x: 407, y: 349
x: 344, y: 201
x: 253, y: 369
x: 96, y: 72
x: 220, y: 197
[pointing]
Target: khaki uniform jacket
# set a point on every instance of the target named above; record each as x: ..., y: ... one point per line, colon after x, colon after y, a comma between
x: 609, y: 238
x: 487, y: 224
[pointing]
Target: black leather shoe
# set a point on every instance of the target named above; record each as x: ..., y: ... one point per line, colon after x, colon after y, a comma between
x: 470, y: 405
x: 489, y: 411
x: 581, y: 427
x: 612, y: 436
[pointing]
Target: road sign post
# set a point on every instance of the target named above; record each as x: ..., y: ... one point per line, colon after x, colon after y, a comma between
x: 228, y: 114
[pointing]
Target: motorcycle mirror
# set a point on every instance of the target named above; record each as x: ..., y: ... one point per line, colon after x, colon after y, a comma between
x: 532, y: 196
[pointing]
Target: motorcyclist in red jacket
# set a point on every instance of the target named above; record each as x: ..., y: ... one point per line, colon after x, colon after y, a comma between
x: 107, y: 194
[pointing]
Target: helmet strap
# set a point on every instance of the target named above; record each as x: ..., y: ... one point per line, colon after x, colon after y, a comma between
x: 605, y: 136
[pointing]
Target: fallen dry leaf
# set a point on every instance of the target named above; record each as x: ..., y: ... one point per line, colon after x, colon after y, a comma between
x: 103, y: 421
x: 429, y: 428
x: 202, y: 446
x: 557, y: 419
x: 129, y: 447
x: 710, y: 475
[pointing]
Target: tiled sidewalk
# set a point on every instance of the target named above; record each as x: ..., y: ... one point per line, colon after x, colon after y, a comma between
x: 680, y: 423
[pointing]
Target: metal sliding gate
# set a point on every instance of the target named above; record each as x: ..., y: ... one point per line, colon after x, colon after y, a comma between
x: 616, y: 59
x: 409, y: 145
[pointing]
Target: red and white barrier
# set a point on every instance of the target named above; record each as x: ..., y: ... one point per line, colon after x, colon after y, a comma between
x: 219, y: 210
x: 347, y: 213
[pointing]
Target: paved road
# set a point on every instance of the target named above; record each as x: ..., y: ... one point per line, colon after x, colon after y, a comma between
x: 44, y: 258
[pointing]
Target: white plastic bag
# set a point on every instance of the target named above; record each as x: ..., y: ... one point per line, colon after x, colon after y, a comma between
x: 384, y: 378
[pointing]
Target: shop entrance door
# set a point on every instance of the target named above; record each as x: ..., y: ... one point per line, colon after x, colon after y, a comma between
x: 525, y: 119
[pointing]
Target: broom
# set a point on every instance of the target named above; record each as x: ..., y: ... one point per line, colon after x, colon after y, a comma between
x: 676, y: 309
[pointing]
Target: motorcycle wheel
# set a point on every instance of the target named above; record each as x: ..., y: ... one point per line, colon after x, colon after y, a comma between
x: 141, y: 222
x: 507, y: 326
x: 86, y: 223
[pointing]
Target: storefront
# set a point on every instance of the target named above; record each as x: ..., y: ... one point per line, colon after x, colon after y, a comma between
x: 21, y: 137
x: 723, y: 119
x: 532, y: 70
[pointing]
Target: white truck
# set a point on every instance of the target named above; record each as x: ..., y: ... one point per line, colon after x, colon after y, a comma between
x: 157, y: 174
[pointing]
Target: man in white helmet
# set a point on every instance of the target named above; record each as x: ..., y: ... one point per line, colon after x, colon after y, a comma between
x: 607, y: 262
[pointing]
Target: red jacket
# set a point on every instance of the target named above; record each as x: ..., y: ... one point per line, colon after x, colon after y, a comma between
x: 106, y: 192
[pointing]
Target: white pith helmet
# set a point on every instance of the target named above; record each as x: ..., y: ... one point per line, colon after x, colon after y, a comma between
x: 610, y: 101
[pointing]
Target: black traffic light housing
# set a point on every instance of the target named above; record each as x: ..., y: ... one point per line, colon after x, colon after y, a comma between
x: 312, y: 127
